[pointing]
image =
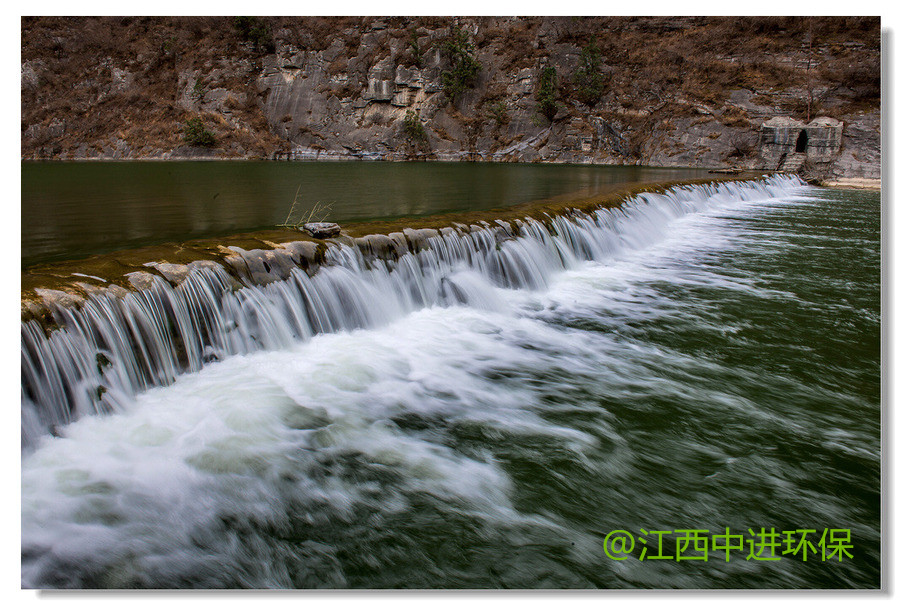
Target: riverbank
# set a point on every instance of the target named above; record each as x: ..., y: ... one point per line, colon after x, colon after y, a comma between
x: 268, y: 255
x: 859, y: 183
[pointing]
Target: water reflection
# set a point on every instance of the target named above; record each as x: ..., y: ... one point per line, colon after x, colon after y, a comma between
x: 71, y: 210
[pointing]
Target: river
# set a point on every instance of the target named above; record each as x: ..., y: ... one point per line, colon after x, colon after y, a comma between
x: 76, y: 209
x: 703, y: 360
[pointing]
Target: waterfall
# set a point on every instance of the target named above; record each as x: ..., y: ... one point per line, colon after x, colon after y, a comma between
x: 109, y: 348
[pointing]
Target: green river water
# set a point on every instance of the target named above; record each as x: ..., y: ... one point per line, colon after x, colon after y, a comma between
x: 717, y: 371
x: 72, y: 210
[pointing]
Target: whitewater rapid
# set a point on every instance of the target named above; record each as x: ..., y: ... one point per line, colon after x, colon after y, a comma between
x: 109, y: 349
x: 477, y: 415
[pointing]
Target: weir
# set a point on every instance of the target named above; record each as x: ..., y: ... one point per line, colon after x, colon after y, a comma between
x: 113, y: 345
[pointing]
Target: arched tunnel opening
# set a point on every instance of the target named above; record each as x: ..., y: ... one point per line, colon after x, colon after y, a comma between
x: 802, y: 141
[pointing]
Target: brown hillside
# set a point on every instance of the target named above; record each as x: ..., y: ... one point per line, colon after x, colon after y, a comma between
x: 123, y: 87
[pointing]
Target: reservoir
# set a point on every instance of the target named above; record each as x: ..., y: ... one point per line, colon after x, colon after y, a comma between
x: 72, y: 210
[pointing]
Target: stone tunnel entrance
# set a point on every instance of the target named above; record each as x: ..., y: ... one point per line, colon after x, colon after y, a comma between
x: 802, y: 140
x: 818, y: 141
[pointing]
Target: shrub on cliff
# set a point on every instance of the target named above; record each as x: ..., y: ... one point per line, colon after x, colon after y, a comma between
x: 413, y: 129
x: 589, y: 80
x: 415, y: 51
x: 196, y: 134
x: 463, y: 66
x: 547, y: 92
x: 255, y: 31
x: 500, y: 112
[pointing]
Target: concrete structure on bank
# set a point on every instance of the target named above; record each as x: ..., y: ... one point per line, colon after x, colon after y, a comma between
x: 786, y: 144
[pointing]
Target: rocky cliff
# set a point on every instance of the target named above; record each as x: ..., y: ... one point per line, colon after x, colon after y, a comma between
x: 668, y: 91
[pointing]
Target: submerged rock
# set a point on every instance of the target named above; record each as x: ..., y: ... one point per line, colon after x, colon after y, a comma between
x: 322, y: 229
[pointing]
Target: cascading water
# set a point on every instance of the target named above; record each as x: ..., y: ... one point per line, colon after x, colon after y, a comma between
x: 109, y: 349
x: 480, y: 413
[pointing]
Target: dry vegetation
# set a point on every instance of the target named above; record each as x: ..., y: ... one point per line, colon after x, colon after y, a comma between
x: 82, y: 56
x: 117, y: 78
x: 702, y: 59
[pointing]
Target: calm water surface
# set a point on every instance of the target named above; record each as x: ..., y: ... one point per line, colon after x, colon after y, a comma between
x: 724, y: 373
x: 72, y: 210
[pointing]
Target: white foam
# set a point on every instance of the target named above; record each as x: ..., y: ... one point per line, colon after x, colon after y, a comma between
x: 325, y: 426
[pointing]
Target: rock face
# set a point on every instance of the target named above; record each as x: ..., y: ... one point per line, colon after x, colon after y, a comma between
x: 861, y: 154
x: 676, y: 91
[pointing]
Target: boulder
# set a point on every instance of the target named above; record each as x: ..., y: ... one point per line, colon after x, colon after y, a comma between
x: 401, y: 244
x: 303, y: 252
x: 322, y: 229
x: 52, y: 297
x: 174, y: 273
x: 140, y: 280
x: 377, y: 245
